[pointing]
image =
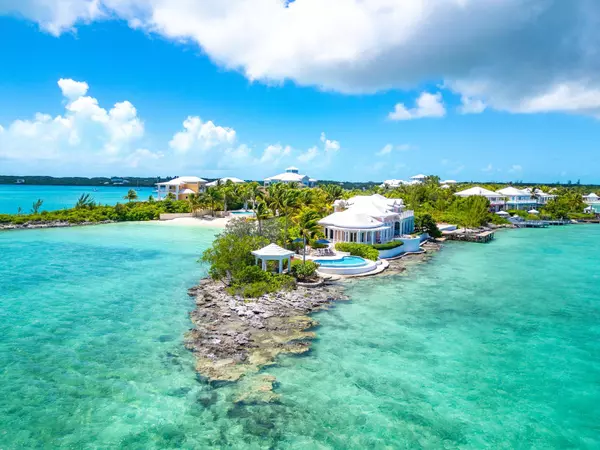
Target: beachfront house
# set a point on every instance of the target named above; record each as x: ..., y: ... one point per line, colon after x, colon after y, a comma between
x: 368, y: 219
x: 224, y: 181
x: 180, y: 187
x: 517, y: 199
x: 291, y: 175
x: 496, y: 200
x: 591, y: 198
x: 543, y: 198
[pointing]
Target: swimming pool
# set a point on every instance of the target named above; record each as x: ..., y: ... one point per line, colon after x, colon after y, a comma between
x: 346, y: 261
x: 242, y: 213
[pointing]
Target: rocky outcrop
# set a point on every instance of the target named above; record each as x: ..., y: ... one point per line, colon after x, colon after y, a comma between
x: 48, y: 224
x: 233, y: 337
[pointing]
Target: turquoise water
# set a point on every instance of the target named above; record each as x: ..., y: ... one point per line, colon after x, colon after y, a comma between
x: 243, y: 213
x: 486, y: 346
x: 346, y: 261
x: 13, y: 196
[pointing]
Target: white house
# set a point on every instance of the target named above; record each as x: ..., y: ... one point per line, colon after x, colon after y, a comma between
x: 518, y: 199
x: 224, y: 180
x: 291, y: 175
x: 180, y: 187
x: 448, y: 182
x: 393, y: 183
x: 496, y: 200
x: 418, y: 178
x: 591, y: 198
x: 543, y: 198
x: 368, y: 219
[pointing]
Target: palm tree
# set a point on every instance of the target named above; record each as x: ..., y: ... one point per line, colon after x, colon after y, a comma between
x: 35, y: 208
x: 85, y: 201
x: 308, y: 223
x: 213, y: 196
x: 131, y: 195
x: 262, y: 212
x: 195, y: 202
x: 227, y: 191
x: 288, y: 203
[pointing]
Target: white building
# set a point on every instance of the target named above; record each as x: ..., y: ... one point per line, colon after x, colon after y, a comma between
x: 393, y: 183
x: 543, y: 198
x: 448, y: 182
x: 224, y: 180
x: 517, y: 199
x: 418, y: 178
x: 591, y: 198
x: 291, y: 175
x: 496, y: 200
x: 180, y: 187
x: 368, y: 219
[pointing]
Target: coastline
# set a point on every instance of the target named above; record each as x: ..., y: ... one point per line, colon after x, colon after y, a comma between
x: 233, y: 338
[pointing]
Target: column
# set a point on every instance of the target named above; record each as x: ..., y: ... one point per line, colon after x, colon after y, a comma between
x: 264, y: 265
x: 281, y: 265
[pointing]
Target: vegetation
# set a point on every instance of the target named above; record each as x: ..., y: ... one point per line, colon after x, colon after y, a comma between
x: 131, y: 195
x: 388, y: 245
x: 366, y: 251
x: 424, y: 223
x: 304, y: 270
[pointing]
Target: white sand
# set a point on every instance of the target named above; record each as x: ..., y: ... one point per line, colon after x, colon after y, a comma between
x: 218, y: 222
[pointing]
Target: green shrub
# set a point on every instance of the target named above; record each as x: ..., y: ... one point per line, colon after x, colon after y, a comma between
x: 303, y: 271
x: 251, y: 274
x: 363, y: 250
x: 268, y: 283
x: 388, y: 245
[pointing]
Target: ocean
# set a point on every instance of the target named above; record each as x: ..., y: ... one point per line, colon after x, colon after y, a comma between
x: 15, y: 196
x: 484, y: 346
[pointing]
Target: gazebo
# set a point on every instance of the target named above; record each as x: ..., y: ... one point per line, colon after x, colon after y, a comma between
x: 273, y: 252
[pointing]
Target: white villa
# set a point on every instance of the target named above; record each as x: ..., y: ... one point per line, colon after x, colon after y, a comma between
x: 496, y: 200
x: 368, y: 219
x: 448, y: 182
x: 518, y: 199
x: 543, y: 198
x: 393, y: 183
x: 291, y: 175
x: 180, y: 187
x: 224, y: 180
x: 418, y: 178
x: 591, y: 198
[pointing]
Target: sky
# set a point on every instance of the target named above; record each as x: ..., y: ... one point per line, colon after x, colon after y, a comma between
x: 471, y: 90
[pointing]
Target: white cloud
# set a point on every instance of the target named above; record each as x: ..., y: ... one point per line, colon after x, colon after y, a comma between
x: 517, y: 53
x: 427, y: 105
x: 389, y: 148
x: 330, y: 146
x: 274, y: 153
x: 85, y: 134
x: 471, y: 106
x: 488, y: 168
x: 515, y: 168
x: 199, y: 135
x: 309, y: 155
x: 72, y: 89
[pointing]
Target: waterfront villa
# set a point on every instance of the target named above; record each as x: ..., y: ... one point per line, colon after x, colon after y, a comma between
x: 291, y: 175
x: 517, y: 199
x: 224, y: 180
x: 180, y: 187
x: 368, y: 219
x: 591, y: 198
x: 543, y: 198
x: 496, y: 200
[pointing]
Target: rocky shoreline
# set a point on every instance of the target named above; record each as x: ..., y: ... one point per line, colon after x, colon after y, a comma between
x: 234, y: 338
x: 49, y: 224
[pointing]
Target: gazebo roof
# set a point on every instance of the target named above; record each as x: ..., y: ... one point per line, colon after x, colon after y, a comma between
x: 273, y: 251
x: 187, y: 191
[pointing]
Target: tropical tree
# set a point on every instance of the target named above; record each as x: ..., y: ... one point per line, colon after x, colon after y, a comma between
x: 196, y: 201
x: 213, y: 197
x: 85, y: 201
x: 35, y: 208
x: 131, y: 195
x: 288, y: 204
x: 262, y: 212
x: 19, y: 211
x: 309, y: 228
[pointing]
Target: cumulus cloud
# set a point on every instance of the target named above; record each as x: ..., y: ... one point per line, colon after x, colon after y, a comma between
x: 515, y: 168
x: 471, y: 106
x: 330, y: 146
x: 201, y: 136
x: 427, y: 105
x: 85, y: 133
x: 309, y: 155
x: 512, y: 55
x: 275, y: 153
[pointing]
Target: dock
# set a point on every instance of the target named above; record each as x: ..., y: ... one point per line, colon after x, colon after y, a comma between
x: 481, y: 237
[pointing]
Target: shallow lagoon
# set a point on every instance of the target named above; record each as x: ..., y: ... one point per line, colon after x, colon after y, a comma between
x: 487, y: 346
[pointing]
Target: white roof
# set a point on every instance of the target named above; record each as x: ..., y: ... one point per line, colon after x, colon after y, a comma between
x: 225, y: 180
x: 533, y: 211
x: 477, y: 190
x: 503, y: 213
x: 187, y: 191
x: 272, y: 250
x: 449, y: 182
x: 292, y: 168
x: 182, y: 180
x: 287, y: 177
x: 418, y: 177
x: 394, y: 182
x: 592, y: 195
x: 511, y: 191
x: 351, y: 219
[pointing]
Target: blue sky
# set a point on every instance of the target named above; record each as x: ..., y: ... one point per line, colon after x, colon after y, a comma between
x: 367, y: 106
